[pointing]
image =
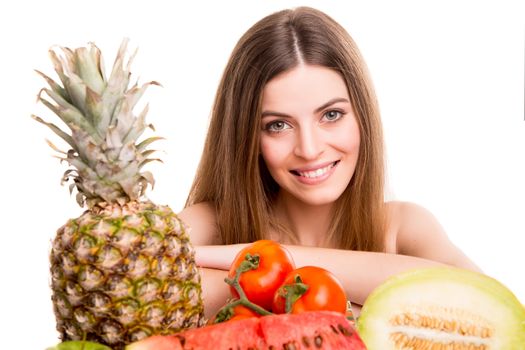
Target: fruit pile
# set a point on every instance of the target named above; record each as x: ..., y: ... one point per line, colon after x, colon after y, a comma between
x: 432, y: 308
x: 273, y: 306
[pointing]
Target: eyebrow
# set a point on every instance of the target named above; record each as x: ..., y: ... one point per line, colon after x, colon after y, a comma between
x: 317, y: 110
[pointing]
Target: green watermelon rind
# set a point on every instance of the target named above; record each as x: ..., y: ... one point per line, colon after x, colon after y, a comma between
x: 409, y: 280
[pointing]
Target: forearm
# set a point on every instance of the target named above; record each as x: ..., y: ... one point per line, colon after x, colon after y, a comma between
x: 215, y: 292
x: 359, y: 272
x: 217, y: 256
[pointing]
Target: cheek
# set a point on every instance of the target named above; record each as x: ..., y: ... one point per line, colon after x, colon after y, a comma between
x: 351, y: 145
x: 269, y: 152
x: 347, y: 139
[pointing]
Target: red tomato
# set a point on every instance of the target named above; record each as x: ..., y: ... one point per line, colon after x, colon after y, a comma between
x: 241, y: 312
x: 324, y: 292
x: 259, y: 285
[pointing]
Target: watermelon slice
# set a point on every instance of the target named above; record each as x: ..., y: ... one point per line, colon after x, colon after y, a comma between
x: 245, y: 334
x: 308, y: 330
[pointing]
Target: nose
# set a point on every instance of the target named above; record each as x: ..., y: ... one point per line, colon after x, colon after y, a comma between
x: 309, y: 143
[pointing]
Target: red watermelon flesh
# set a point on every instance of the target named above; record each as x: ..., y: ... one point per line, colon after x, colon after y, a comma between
x: 244, y: 333
x: 309, y: 330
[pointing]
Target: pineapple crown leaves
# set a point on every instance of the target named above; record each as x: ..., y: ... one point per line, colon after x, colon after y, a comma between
x: 104, y: 132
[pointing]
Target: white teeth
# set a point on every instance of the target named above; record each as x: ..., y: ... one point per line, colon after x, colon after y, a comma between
x: 316, y: 173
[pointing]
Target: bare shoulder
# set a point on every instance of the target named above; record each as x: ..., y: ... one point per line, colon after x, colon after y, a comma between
x: 415, y: 225
x: 202, y: 220
x: 418, y: 233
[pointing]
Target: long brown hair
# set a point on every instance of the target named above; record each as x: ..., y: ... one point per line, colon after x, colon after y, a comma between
x: 232, y: 175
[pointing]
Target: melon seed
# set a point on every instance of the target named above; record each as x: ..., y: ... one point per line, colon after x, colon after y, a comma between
x: 403, y: 341
x: 437, y: 323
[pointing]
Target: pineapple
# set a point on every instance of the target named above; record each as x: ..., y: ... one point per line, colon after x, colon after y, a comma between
x: 125, y: 268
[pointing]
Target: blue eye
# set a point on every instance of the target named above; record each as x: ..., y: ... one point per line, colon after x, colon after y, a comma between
x: 332, y: 116
x: 276, y: 126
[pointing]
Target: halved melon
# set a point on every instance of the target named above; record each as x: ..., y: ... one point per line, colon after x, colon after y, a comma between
x: 442, y: 308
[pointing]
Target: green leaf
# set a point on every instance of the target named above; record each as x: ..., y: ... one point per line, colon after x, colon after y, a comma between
x: 141, y: 146
x: 63, y: 135
x: 77, y: 90
x: 119, y: 78
x: 54, y: 85
x: 148, y: 152
x: 148, y: 176
x: 138, y: 126
x: 58, y: 67
x: 70, y: 115
x: 94, y: 106
x: 125, y: 119
x: 149, y: 160
x: 88, y: 69
x: 136, y: 93
x: 79, y: 345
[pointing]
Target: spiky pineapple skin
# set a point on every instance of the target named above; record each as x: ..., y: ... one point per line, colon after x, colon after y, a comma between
x: 121, y: 273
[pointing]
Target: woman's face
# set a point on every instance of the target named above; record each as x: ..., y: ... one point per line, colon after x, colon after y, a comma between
x: 309, y: 134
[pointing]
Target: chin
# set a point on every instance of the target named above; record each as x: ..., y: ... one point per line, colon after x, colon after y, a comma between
x: 320, y: 199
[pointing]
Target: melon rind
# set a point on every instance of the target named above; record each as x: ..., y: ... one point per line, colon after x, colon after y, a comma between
x: 443, y: 288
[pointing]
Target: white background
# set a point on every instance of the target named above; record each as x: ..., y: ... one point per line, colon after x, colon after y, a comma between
x: 449, y: 77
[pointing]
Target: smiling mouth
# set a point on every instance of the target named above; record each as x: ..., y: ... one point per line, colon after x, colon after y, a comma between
x: 315, y: 173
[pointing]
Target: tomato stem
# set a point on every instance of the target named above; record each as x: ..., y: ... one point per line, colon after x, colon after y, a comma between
x: 250, y: 262
x: 292, y: 292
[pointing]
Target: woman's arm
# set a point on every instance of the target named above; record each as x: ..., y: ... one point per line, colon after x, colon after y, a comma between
x: 359, y: 272
x: 215, y: 292
x: 200, y: 220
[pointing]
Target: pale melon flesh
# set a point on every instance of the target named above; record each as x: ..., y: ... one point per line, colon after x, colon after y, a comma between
x: 442, y: 308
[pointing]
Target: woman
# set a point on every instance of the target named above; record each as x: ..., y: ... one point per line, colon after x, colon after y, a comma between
x: 294, y: 153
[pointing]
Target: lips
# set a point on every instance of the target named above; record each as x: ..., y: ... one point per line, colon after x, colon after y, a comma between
x: 316, y: 171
